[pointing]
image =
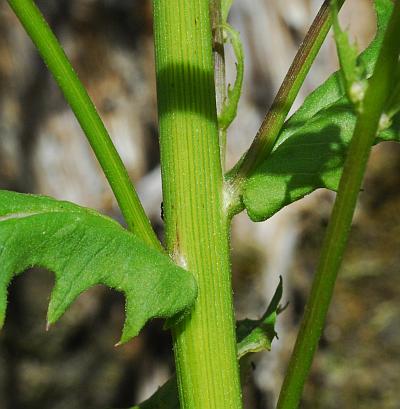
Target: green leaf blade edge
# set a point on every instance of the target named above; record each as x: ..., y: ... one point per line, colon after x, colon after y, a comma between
x: 84, y: 248
x: 252, y: 336
x: 312, y: 146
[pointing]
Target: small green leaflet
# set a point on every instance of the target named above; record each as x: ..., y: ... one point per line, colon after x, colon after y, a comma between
x: 252, y: 336
x: 84, y: 248
x: 312, y: 146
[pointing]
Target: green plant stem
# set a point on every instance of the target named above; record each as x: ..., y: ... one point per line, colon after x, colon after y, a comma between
x: 196, y: 228
x: 219, y: 69
x: 85, y: 111
x: 339, y: 226
x: 271, y: 126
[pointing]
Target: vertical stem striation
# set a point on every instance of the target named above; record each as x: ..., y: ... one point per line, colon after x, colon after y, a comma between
x: 196, y: 228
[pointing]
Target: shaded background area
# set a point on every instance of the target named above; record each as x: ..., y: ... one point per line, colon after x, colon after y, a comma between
x: 42, y: 150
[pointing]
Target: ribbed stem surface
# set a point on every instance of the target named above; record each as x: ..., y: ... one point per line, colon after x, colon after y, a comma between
x: 195, y: 222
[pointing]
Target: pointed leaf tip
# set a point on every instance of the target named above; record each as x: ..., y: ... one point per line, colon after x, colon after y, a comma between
x: 84, y: 248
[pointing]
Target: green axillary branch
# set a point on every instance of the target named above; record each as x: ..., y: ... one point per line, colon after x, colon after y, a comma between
x: 85, y: 112
x: 225, y: 8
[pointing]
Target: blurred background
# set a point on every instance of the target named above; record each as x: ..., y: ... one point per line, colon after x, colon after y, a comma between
x: 42, y: 150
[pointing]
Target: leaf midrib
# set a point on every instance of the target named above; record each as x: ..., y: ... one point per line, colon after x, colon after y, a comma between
x: 82, y: 213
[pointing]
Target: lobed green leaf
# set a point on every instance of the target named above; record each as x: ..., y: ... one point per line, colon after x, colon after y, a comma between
x: 312, y: 146
x: 84, y: 248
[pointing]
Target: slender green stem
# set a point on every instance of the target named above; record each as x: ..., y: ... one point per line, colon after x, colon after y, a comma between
x: 85, y: 111
x: 271, y: 126
x: 196, y: 228
x: 219, y: 68
x: 225, y: 8
x: 339, y: 226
